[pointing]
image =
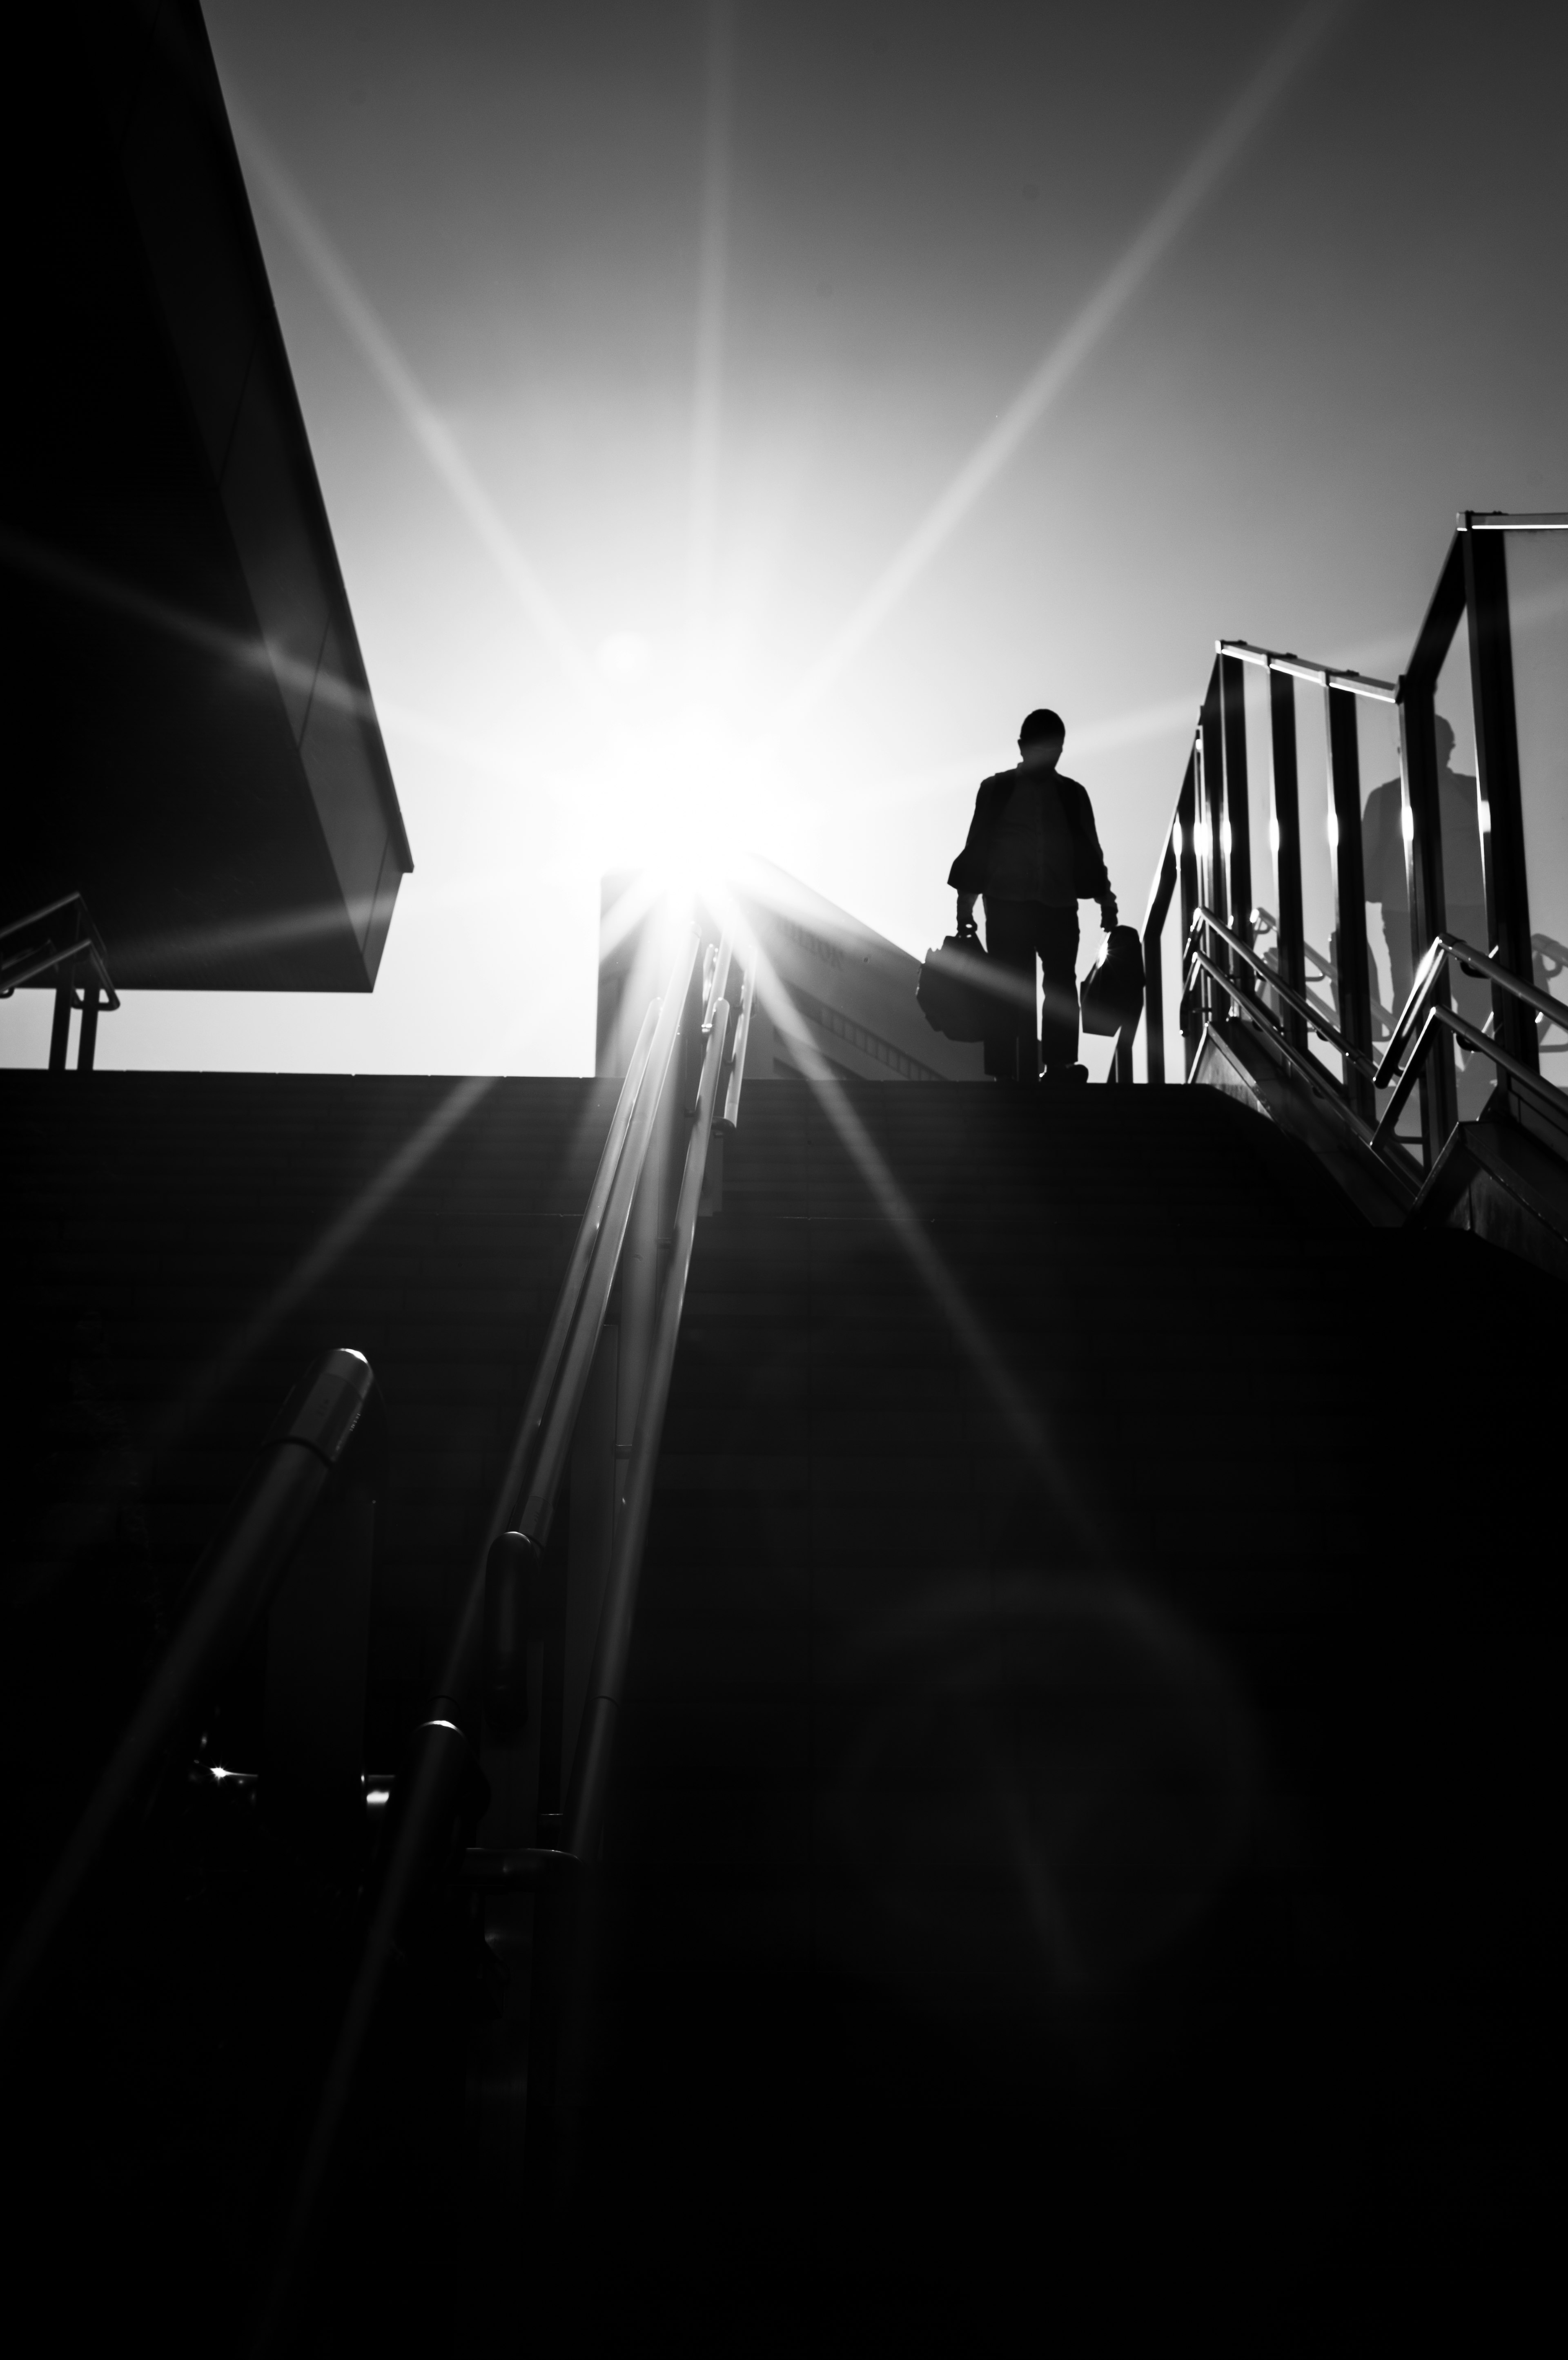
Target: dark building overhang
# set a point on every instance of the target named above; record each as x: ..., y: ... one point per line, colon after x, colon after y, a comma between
x: 191, y: 740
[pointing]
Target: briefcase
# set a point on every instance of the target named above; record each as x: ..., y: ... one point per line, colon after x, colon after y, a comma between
x: 1111, y: 994
x: 955, y: 991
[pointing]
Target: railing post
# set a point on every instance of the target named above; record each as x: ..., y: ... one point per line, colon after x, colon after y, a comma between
x: 1235, y: 847
x: 1153, y: 973
x: 87, y: 1039
x: 1154, y: 1000
x: 1422, y: 824
x: 1349, y: 947
x: 1497, y: 760
x: 59, y: 1034
x: 1211, y: 778
x: 1422, y: 818
x: 1187, y: 869
x: 1285, y: 798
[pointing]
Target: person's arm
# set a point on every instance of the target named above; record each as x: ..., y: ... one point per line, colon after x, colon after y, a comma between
x: 1093, y: 878
x: 967, y: 875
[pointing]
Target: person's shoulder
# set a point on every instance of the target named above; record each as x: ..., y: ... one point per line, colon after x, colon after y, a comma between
x: 1074, y: 786
x: 997, y: 778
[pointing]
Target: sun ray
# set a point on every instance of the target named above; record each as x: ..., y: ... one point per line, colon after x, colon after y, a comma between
x: 64, y: 571
x: 707, y: 388
x: 430, y: 431
x: 1057, y: 368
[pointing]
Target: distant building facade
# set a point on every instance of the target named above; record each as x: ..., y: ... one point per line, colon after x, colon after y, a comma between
x: 827, y: 984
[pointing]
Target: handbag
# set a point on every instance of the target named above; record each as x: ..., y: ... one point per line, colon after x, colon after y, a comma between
x: 1111, y: 995
x: 955, y: 993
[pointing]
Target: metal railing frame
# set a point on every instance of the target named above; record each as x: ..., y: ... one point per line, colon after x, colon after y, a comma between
x: 435, y: 1789
x: 582, y: 1818
x: 334, y: 1408
x: 1207, y: 854
x: 94, y: 997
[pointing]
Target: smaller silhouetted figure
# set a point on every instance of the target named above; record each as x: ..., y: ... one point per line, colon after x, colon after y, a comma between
x: 1464, y: 878
x: 1034, y: 855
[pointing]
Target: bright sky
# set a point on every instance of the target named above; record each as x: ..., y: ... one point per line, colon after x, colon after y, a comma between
x: 735, y: 420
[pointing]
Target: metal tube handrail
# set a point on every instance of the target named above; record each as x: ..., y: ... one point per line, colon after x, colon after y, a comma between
x: 1303, y: 1007
x: 25, y: 967
x: 717, y: 982
x: 1425, y: 983
x: 1510, y: 520
x: 1391, y: 1153
x: 721, y: 965
x: 440, y: 1760
x: 1356, y: 683
x: 534, y: 1518
x: 582, y: 1818
x: 727, y: 1120
x: 1547, y: 1095
x: 1454, y: 946
x: 577, y: 1321
x: 236, y: 1577
x: 37, y: 917
x: 1304, y: 1064
x: 587, y: 1238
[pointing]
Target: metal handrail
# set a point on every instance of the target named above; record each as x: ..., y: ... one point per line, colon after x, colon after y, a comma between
x: 1356, y: 683
x: 1546, y: 1094
x: 1391, y: 1153
x: 1303, y: 1007
x: 726, y: 1121
x: 1426, y: 982
x: 1388, y: 1074
x: 1265, y: 921
x: 582, y: 1818
x: 1387, y: 1045
x: 533, y: 1520
x: 587, y: 1238
x: 441, y: 1768
x: 236, y: 1576
x: 1511, y: 520
x: 28, y: 966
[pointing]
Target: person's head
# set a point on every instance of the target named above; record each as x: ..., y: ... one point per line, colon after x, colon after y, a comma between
x: 1040, y: 741
x: 1442, y: 732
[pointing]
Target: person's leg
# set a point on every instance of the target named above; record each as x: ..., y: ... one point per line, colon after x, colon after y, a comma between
x: 1056, y: 940
x: 1009, y: 943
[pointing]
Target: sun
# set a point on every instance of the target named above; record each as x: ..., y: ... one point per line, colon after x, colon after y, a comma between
x: 684, y: 778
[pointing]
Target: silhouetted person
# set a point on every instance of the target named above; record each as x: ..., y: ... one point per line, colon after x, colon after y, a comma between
x: 1463, y: 878
x: 1034, y: 855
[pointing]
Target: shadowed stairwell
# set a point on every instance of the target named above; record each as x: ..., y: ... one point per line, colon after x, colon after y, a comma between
x: 1072, y: 1799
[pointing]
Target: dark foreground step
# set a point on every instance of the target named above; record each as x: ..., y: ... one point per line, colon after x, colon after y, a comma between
x: 1082, y: 1789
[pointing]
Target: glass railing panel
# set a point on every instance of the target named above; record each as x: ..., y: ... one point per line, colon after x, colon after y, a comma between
x: 1260, y: 815
x: 1463, y: 873
x: 1317, y: 866
x: 1538, y: 622
x: 1388, y: 959
x: 1383, y: 863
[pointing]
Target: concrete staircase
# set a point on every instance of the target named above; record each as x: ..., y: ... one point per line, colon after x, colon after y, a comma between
x: 1084, y: 1758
